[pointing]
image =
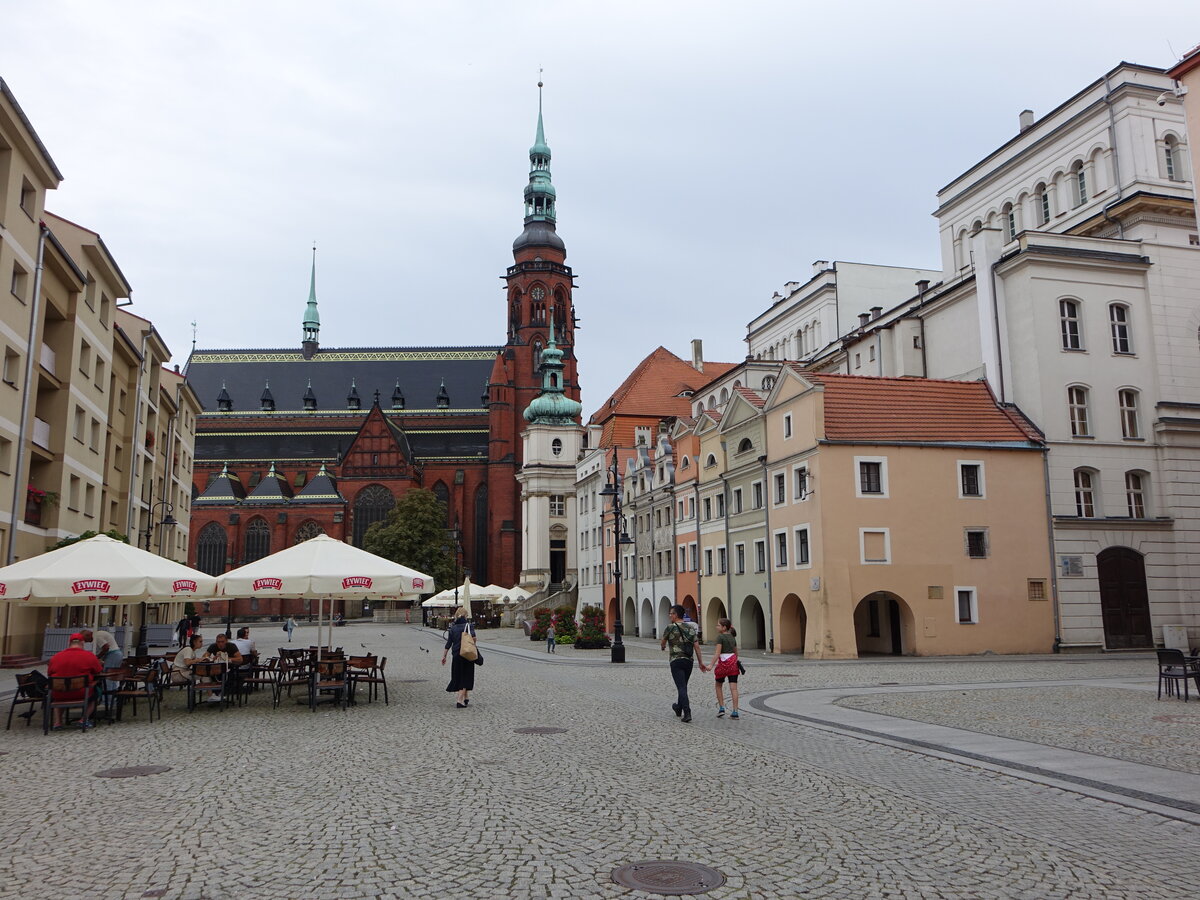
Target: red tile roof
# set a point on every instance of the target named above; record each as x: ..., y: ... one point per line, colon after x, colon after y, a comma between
x: 756, y: 401
x: 653, y: 388
x: 917, y: 409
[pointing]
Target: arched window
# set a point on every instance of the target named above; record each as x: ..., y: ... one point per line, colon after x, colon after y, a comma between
x: 1135, y: 494
x: 443, y: 494
x: 1079, y: 186
x: 372, y: 505
x: 537, y: 356
x: 481, y: 534
x: 710, y: 462
x: 307, y: 531
x: 1085, y: 493
x: 724, y: 395
x: 1070, y: 325
x: 1041, y: 202
x: 556, y: 447
x: 1119, y: 325
x: 1172, y: 159
x: 745, y: 446
x: 712, y: 401
x: 684, y: 463
x: 211, y: 549
x: 1077, y: 407
x: 258, y: 541
x: 1009, y: 215
x: 1127, y: 400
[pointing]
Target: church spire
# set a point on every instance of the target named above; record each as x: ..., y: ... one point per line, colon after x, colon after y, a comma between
x: 312, y: 321
x: 540, y: 196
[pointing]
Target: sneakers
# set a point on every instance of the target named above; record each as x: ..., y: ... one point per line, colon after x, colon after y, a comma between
x: 720, y: 711
x: 677, y: 709
x: 87, y: 723
x: 687, y: 716
x: 214, y: 698
x: 734, y: 715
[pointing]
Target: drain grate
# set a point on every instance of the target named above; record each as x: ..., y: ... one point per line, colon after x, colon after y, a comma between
x: 539, y: 729
x: 133, y: 771
x: 670, y: 877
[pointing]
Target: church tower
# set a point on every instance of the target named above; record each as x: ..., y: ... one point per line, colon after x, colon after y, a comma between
x: 538, y: 292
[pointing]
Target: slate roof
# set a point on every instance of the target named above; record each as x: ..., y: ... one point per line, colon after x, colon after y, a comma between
x: 272, y: 489
x: 226, y: 487
x: 419, y: 370
x: 859, y: 408
x: 322, y: 489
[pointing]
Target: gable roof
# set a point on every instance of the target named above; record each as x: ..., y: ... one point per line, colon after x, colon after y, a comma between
x: 653, y: 388
x: 860, y: 407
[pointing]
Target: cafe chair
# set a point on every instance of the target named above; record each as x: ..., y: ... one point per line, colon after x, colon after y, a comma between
x: 1174, y: 668
x: 258, y: 676
x: 291, y: 672
x: 371, y: 674
x: 29, y: 693
x: 140, y: 686
x: 208, y: 678
x: 328, y: 676
x: 60, y: 686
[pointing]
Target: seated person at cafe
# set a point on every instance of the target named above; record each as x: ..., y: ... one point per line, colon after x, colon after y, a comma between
x: 225, y: 650
x: 181, y: 667
x: 244, y: 644
x: 69, y: 663
x: 107, y: 650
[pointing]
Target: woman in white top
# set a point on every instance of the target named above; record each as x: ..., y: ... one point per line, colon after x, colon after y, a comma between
x: 181, y: 668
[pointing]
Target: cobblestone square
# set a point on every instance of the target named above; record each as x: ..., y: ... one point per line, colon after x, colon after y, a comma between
x: 419, y: 799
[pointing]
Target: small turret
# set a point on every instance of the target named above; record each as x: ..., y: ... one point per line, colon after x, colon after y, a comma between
x: 312, y: 321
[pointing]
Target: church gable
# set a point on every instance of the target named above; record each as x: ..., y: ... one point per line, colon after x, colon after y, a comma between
x: 379, y: 450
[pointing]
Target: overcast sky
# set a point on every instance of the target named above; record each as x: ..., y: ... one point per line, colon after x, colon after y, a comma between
x: 704, y: 153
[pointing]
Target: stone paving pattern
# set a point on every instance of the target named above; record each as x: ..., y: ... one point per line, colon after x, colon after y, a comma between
x: 422, y: 800
x: 1114, y: 722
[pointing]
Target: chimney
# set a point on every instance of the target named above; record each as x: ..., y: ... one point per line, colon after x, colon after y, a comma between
x: 863, y: 319
x: 922, y: 287
x: 876, y: 312
x: 698, y: 355
x: 791, y: 286
x: 1026, y: 119
x: 820, y: 266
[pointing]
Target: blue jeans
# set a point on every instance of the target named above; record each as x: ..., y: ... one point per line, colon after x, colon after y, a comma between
x: 549, y: 645
x: 681, y: 671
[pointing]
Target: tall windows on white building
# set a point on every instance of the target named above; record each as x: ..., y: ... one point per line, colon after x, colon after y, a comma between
x: 1085, y: 493
x: 1069, y: 317
x: 1127, y: 399
x: 1077, y: 406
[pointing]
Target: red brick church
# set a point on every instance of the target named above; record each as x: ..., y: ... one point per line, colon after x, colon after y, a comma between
x: 307, y: 440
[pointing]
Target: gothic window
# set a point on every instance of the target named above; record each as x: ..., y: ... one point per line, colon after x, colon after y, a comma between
x: 372, y: 505
x: 307, y: 530
x: 211, y: 549
x: 443, y: 494
x: 481, y: 533
x: 258, y: 541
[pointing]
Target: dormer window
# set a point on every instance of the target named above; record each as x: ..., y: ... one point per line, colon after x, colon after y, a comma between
x: 745, y: 446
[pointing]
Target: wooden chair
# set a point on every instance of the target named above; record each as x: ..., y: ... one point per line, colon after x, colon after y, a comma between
x: 208, y: 678
x: 140, y: 686
x: 258, y: 676
x: 76, y: 683
x: 29, y: 693
x: 329, y: 675
x: 291, y: 673
x: 372, y: 676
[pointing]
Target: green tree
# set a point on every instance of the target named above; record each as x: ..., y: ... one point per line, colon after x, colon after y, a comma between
x: 112, y: 533
x: 414, y: 535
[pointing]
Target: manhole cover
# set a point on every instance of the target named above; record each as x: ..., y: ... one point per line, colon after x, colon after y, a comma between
x: 668, y: 876
x: 539, y: 729
x: 411, y: 680
x: 783, y: 674
x: 133, y: 771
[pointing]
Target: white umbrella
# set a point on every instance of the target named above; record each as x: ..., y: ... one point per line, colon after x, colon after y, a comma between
x: 101, y: 569
x: 323, y: 568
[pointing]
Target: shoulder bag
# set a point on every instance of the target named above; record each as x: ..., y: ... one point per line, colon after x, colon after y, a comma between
x: 467, y: 647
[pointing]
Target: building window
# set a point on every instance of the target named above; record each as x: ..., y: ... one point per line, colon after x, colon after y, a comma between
x: 1172, y: 159
x: 556, y: 447
x: 706, y: 505
x: 872, y: 476
x: 1042, y: 200
x: 558, y: 505
x: 1037, y: 589
x: 1077, y: 404
x: 720, y: 506
x: 1085, y: 495
x: 12, y: 365
x: 1010, y: 222
x: 756, y: 495
x: 77, y: 424
x: 710, y: 462
x: 211, y: 549
x: 966, y: 606
x: 1135, y: 495
x: 708, y: 561
x: 722, y: 561
x: 760, y: 556
x: 781, y: 549
x: 681, y: 560
x: 28, y: 197
x: 371, y: 505
x: 780, y: 488
x: 737, y: 500
x: 693, y: 556
x: 1068, y: 319
x: 976, y: 543
x: 1079, y: 183
x: 1118, y: 321
x: 970, y: 479
x: 802, y: 550
x: 19, y: 281
x: 739, y: 559
x: 1127, y: 399
x: 258, y: 540
x: 787, y: 425
x: 875, y: 546
x: 800, y: 478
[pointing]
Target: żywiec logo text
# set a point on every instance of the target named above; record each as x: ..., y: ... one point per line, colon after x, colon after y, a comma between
x: 3, y: 588
x: 264, y: 584
x: 183, y: 585
x: 361, y: 581
x: 90, y: 585
x: 418, y: 583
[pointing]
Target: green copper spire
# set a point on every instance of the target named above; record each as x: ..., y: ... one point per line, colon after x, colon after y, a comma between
x: 552, y: 406
x: 312, y: 321
x: 539, y: 193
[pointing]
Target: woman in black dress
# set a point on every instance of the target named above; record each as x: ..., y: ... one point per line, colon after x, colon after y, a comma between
x: 462, y: 671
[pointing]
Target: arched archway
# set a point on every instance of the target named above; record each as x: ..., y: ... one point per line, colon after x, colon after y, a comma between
x: 793, y: 625
x: 629, y: 620
x: 883, y: 624
x: 751, y: 625
x: 714, y: 609
x: 1124, y: 601
x: 646, y: 620
x: 660, y: 619
x: 689, y: 607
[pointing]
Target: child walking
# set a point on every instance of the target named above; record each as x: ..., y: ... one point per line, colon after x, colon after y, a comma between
x: 726, y: 666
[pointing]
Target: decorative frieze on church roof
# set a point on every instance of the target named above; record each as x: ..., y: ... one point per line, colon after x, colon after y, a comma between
x: 367, y: 354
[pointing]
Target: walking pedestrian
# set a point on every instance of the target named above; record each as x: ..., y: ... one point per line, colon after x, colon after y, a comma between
x: 550, y: 638
x: 726, y: 666
x: 462, y: 671
x: 684, y: 642
x: 182, y: 631
x: 290, y: 625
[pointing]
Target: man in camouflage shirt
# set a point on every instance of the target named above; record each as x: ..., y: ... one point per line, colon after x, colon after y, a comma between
x: 684, y: 642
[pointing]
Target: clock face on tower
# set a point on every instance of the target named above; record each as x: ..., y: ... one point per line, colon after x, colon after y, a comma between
x: 537, y: 293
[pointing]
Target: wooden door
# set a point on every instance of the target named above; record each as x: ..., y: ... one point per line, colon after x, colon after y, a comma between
x: 1124, y: 602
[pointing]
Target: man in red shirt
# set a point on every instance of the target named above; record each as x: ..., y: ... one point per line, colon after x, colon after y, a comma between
x: 69, y: 663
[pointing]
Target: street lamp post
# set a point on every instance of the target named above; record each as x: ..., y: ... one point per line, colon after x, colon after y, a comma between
x: 165, y: 520
x: 621, y: 539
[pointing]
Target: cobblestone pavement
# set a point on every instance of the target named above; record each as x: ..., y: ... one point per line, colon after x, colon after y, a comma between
x: 418, y: 799
x: 1114, y: 722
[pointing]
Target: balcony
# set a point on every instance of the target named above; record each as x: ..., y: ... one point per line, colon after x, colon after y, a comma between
x: 48, y: 359
x: 41, y: 433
